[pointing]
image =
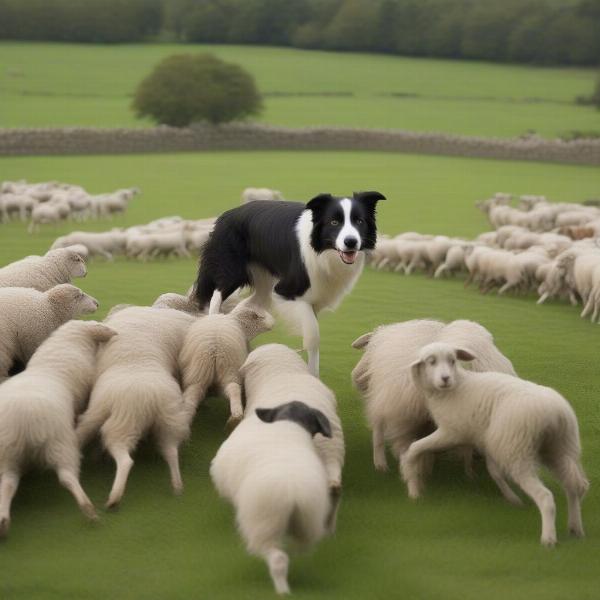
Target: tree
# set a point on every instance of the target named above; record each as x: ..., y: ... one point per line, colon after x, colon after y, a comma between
x: 187, y: 88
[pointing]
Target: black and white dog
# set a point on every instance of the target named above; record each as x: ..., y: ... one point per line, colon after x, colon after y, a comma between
x: 310, y: 255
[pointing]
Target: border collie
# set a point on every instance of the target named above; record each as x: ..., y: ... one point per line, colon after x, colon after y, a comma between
x: 310, y: 255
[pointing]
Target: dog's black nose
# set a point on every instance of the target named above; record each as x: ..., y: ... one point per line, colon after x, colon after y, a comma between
x: 350, y: 242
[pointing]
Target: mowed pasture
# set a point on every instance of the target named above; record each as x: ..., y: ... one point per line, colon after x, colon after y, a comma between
x: 460, y: 541
x: 45, y: 84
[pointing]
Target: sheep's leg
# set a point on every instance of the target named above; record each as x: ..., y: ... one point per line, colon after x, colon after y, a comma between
x: 278, y: 562
x: 8, y: 488
x: 507, y: 286
x: 572, y: 478
x: 502, y: 484
x: 335, y: 497
x: 379, y: 459
x: 215, y: 303
x: 437, y: 441
x: 233, y: 392
x: 531, y: 484
x: 192, y: 396
x: 439, y: 271
x: 311, y: 336
x: 124, y: 462
x: 68, y: 478
x: 170, y: 452
x: 543, y: 298
x: 90, y: 422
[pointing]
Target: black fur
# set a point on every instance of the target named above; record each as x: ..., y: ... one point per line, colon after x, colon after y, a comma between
x: 311, y: 419
x: 264, y: 232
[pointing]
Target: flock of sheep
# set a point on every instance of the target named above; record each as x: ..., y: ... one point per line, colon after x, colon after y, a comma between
x: 52, y: 202
x: 145, y: 369
x: 549, y: 248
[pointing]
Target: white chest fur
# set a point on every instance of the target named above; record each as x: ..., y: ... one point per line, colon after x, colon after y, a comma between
x: 330, y: 278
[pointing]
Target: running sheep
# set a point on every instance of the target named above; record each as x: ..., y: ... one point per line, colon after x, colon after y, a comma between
x: 28, y: 317
x: 518, y: 425
x: 38, y: 409
x: 395, y: 408
x: 43, y: 272
x: 214, y: 349
x: 137, y: 391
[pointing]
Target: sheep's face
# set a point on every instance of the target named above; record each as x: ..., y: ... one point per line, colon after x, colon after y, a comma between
x: 254, y: 320
x: 436, y: 367
x: 76, y: 264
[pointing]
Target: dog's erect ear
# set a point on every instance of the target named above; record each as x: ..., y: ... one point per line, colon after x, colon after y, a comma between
x: 370, y: 198
x: 266, y: 414
x: 323, y: 424
x: 318, y: 202
x: 465, y: 355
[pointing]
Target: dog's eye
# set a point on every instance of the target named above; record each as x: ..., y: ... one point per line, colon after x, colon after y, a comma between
x: 334, y: 222
x: 359, y: 221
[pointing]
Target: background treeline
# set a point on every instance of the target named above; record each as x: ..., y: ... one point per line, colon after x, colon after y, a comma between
x: 534, y: 31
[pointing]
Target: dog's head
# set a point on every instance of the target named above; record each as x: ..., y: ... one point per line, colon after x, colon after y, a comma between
x: 344, y: 224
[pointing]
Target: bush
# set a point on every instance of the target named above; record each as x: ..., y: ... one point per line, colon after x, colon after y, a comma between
x: 187, y: 88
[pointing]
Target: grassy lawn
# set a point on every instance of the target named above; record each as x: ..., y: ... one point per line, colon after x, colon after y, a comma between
x: 60, y: 84
x: 461, y: 541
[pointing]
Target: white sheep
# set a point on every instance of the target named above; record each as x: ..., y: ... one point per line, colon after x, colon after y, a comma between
x: 395, y: 408
x: 269, y: 470
x: 137, y: 391
x: 28, y: 317
x: 43, y: 272
x: 516, y: 424
x: 38, y: 409
x: 274, y: 374
x: 105, y: 244
x: 214, y: 349
x: 151, y: 245
x: 251, y: 194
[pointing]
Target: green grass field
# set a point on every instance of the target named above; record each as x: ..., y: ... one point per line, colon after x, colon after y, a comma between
x: 60, y: 84
x: 461, y: 541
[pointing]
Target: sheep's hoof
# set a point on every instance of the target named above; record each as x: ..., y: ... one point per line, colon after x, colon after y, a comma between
x: 549, y: 541
x: 178, y: 489
x: 4, y: 526
x: 90, y: 511
x: 576, y: 531
x: 112, y: 504
x: 233, y: 422
x: 335, y: 490
x: 381, y: 466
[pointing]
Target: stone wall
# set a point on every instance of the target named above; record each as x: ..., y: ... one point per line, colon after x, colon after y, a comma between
x: 88, y: 140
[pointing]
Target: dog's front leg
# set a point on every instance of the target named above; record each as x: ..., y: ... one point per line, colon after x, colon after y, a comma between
x: 310, y: 336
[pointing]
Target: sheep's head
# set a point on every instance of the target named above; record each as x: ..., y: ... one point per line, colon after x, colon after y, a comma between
x: 436, y: 366
x: 253, y: 320
x: 70, y: 298
x: 75, y: 263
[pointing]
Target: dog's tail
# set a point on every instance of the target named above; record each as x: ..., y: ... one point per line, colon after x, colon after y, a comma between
x: 362, y: 341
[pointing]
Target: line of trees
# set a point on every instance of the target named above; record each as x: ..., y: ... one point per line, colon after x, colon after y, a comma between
x: 530, y: 31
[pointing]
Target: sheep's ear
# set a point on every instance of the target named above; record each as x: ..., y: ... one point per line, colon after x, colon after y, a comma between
x: 266, y: 414
x: 464, y: 355
x: 370, y: 198
x: 415, y: 368
x: 323, y: 424
x: 318, y: 202
x: 102, y: 333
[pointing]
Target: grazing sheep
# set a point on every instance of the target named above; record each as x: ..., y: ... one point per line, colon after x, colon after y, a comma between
x: 269, y: 470
x: 38, y: 408
x: 274, y: 374
x: 251, y: 194
x: 45, y: 214
x: 213, y: 351
x: 517, y: 424
x: 151, y: 245
x: 396, y: 410
x: 104, y: 244
x: 43, y: 272
x: 137, y: 391
x: 28, y: 317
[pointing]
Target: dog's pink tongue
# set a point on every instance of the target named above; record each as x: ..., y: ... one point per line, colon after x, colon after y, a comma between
x: 348, y: 257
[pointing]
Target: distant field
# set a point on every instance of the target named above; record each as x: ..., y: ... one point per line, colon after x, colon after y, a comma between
x: 460, y: 542
x: 60, y: 84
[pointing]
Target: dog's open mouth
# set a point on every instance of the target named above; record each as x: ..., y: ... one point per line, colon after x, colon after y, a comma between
x: 348, y: 257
